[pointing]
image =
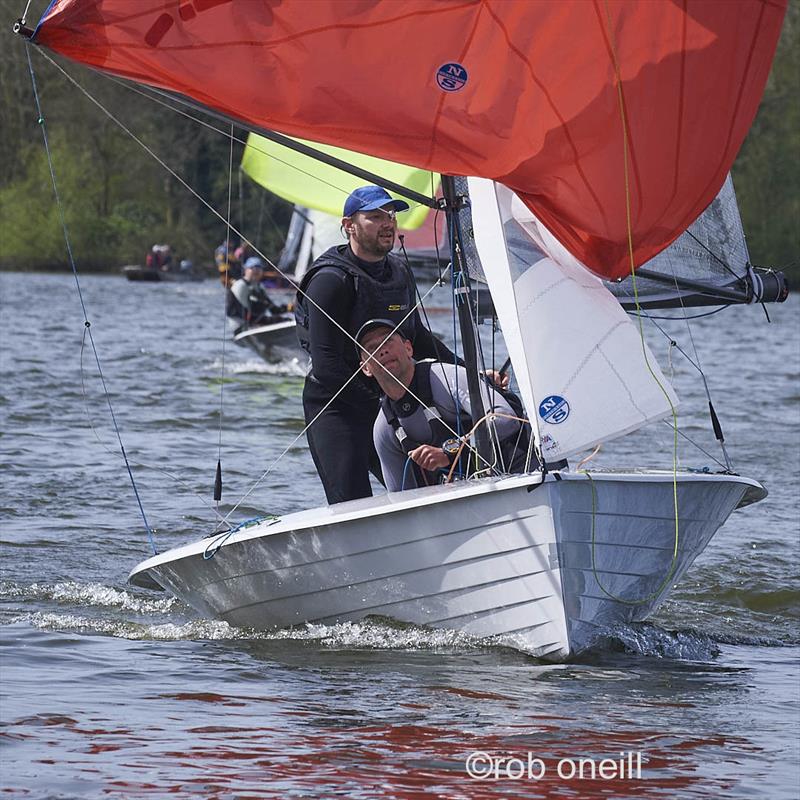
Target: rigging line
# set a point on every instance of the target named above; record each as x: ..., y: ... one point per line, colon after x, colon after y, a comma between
x: 86, y: 323
x: 691, y: 339
x: 239, y: 173
x: 480, y: 354
x: 152, y: 96
x: 629, y: 230
x: 289, y: 279
x: 653, y: 319
x: 638, y: 601
x: 24, y: 18
x: 674, y: 344
x: 225, y: 278
x: 493, y: 435
x: 262, y: 212
x: 138, y: 463
x: 262, y: 194
x: 454, y: 279
x: 421, y: 305
x: 436, y: 234
x: 715, y: 256
x: 714, y: 421
x: 694, y: 443
x: 694, y: 316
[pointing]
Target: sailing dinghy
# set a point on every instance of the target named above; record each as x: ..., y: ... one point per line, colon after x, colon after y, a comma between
x: 589, y: 162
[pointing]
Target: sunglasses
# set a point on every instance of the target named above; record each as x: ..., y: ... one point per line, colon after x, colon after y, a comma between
x: 391, y: 213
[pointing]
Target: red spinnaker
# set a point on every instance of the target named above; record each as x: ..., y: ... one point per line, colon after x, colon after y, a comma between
x: 521, y: 91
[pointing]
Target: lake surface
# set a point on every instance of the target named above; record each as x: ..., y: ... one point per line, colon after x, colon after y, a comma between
x: 109, y: 691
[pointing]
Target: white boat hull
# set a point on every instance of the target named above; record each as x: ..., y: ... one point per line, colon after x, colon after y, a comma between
x: 276, y: 341
x: 549, y: 566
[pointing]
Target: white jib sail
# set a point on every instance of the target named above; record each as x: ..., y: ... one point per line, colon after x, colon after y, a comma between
x: 578, y: 358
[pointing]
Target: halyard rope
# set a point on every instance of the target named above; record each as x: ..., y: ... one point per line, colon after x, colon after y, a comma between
x: 86, y: 323
x: 227, y: 245
x: 629, y: 232
x: 137, y: 462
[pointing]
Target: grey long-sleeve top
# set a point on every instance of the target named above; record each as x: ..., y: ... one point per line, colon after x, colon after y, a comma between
x: 447, y: 383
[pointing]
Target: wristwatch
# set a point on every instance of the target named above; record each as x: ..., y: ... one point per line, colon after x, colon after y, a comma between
x: 452, y: 446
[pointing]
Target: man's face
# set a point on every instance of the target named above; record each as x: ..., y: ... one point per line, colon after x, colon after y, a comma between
x: 372, y: 232
x: 386, y: 359
x: 254, y: 274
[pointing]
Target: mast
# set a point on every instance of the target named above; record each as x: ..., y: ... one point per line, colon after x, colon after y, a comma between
x: 465, y: 307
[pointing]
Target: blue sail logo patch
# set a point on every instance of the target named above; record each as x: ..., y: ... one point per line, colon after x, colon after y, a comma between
x: 451, y: 77
x: 554, y: 409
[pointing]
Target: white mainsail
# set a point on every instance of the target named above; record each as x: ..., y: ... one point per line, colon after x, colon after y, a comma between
x: 584, y: 372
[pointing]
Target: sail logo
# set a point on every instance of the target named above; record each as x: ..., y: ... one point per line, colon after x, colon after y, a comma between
x: 549, y: 444
x: 451, y: 77
x: 554, y: 409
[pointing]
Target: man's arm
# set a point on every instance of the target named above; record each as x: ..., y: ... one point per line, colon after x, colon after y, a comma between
x: 449, y: 382
x: 392, y: 457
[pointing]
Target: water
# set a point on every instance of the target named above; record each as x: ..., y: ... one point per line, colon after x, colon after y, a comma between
x: 111, y: 691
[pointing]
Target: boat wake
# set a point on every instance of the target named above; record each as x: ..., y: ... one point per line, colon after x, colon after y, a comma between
x: 373, y: 633
x: 88, y: 594
x: 378, y: 634
x: 649, y: 640
x: 293, y: 367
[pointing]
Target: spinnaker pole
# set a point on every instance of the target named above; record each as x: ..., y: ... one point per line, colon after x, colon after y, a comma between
x: 776, y: 292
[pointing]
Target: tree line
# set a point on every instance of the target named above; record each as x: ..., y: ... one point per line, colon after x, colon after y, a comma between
x: 117, y: 200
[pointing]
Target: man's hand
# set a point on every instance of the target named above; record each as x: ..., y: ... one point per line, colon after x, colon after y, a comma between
x: 429, y: 457
x: 500, y: 379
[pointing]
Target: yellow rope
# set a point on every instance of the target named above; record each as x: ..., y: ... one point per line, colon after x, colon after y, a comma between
x: 629, y: 227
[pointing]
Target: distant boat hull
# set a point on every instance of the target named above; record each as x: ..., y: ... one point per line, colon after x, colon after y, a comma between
x: 274, y: 342
x: 135, y: 272
x: 546, y: 566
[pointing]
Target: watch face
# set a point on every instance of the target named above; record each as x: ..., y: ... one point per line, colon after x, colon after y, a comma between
x: 451, y: 446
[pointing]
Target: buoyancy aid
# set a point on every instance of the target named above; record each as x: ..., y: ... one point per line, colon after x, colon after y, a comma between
x: 514, y: 449
x: 391, y: 298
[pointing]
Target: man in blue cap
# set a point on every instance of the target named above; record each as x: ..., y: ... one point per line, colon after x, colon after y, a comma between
x: 346, y: 286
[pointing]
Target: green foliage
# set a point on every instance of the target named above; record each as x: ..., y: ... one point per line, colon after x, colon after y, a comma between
x: 767, y: 172
x: 117, y: 199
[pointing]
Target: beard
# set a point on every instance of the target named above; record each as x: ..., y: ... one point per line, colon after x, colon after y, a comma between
x: 375, y: 245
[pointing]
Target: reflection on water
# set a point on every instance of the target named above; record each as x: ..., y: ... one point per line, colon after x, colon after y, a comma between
x: 269, y: 718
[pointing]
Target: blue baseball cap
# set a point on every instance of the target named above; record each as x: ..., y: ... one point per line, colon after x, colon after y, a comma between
x: 368, y: 198
x: 254, y: 262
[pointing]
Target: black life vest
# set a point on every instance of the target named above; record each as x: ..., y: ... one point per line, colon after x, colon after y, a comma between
x: 390, y: 299
x: 514, y: 449
x: 261, y: 305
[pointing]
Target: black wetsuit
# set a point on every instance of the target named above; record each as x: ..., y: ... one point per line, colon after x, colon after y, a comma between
x: 351, y: 291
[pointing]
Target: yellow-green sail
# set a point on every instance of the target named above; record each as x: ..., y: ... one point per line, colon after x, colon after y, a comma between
x: 303, y: 180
